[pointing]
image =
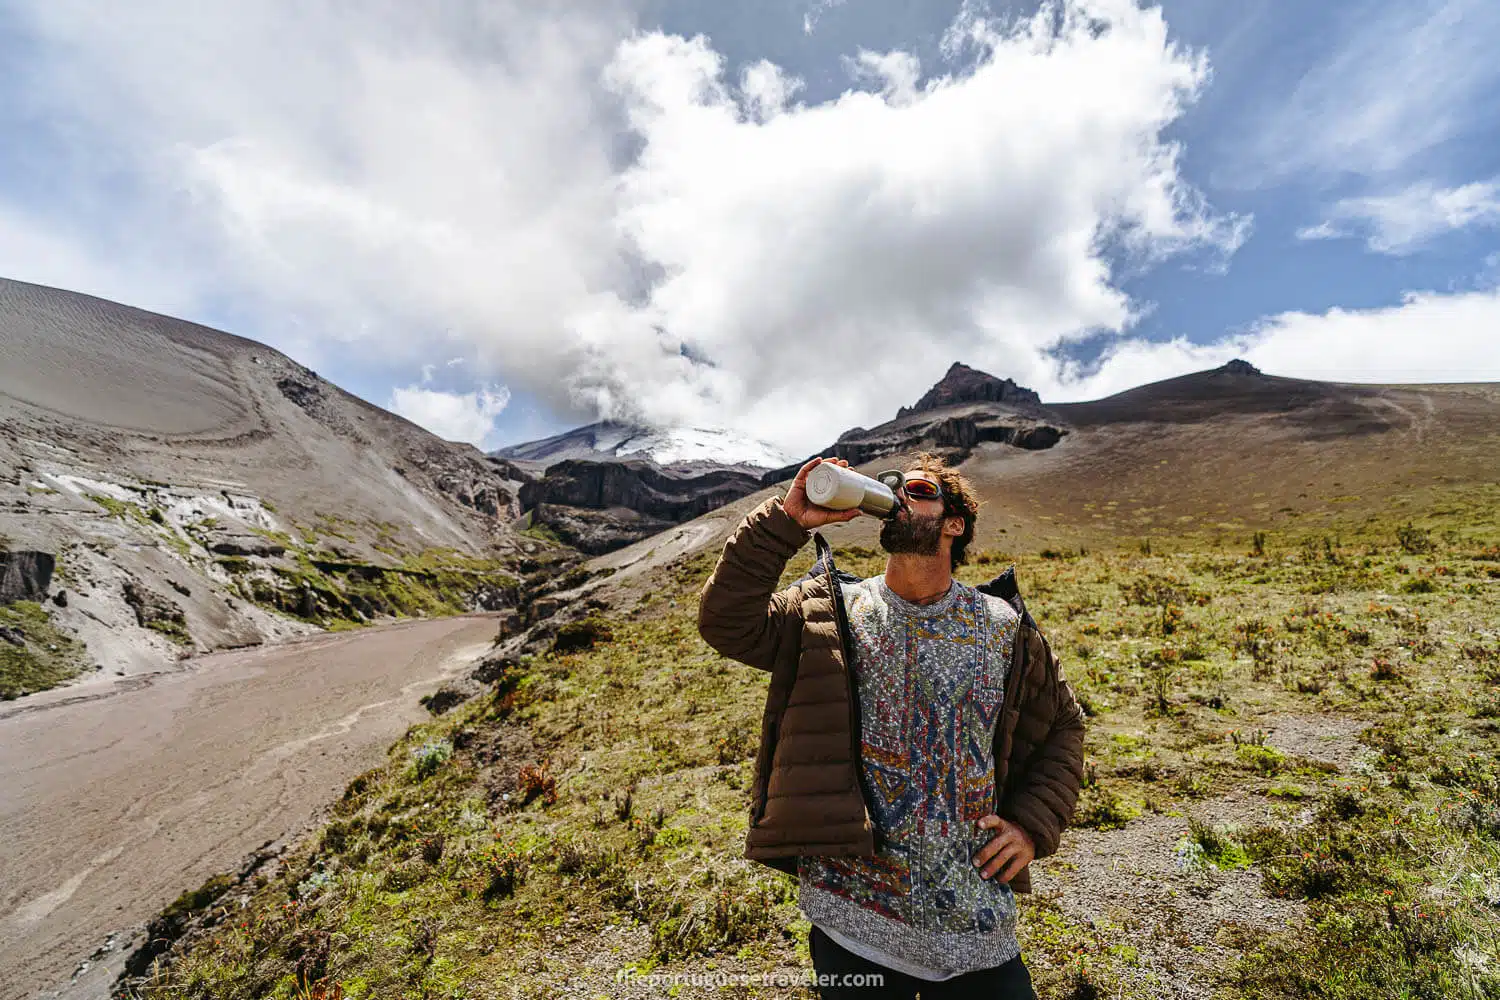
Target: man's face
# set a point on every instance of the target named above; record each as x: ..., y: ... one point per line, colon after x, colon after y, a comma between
x: 918, y: 529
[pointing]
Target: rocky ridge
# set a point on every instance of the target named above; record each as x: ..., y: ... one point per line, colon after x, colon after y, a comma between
x: 962, y: 384
x: 965, y: 409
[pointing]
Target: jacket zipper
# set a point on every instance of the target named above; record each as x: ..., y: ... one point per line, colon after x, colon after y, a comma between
x: 1013, y: 682
x: 856, y: 747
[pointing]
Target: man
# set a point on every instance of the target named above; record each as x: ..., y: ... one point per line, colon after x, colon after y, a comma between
x: 919, y: 746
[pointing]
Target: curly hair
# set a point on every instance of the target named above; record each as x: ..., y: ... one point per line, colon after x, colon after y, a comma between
x: 960, y: 499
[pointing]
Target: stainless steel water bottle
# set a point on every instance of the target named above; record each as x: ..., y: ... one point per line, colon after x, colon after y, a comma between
x: 838, y: 488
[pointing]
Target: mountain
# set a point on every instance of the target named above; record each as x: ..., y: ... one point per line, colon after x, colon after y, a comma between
x: 688, y: 449
x: 595, y: 490
x: 964, y: 409
x: 608, y: 484
x: 962, y: 384
x: 597, y: 506
x: 198, y: 490
x: 1220, y: 454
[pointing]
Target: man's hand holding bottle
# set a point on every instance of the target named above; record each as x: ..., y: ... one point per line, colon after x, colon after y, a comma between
x: 808, y: 514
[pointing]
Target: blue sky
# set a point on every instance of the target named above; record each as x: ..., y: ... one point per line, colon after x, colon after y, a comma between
x: 786, y: 218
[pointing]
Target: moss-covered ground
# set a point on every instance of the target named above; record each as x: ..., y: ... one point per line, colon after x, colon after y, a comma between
x: 585, y: 820
x: 45, y: 658
x: 340, y: 594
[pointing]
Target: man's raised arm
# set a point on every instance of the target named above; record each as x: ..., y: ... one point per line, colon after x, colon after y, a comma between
x: 739, y: 613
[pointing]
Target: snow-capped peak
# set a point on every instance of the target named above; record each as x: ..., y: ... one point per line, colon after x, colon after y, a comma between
x: 702, y: 444
x: 664, y: 446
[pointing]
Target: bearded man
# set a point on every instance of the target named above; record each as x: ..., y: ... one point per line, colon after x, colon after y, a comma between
x: 919, y: 746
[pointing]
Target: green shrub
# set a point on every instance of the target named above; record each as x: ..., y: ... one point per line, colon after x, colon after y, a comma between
x: 46, y: 658
x: 1213, y: 844
x: 430, y: 756
x: 1413, y: 541
x: 1266, y: 760
x: 1397, y: 948
x: 581, y: 635
x: 1101, y: 808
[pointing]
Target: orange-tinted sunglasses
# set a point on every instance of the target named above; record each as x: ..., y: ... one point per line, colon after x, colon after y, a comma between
x: 917, y: 489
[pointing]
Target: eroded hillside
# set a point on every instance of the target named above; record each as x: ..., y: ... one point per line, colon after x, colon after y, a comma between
x: 195, y: 490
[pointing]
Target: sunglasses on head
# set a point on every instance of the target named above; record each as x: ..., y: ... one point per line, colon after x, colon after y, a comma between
x: 916, y: 488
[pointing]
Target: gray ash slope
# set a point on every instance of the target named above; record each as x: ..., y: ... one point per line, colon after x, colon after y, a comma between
x: 143, y: 448
x: 1220, y: 453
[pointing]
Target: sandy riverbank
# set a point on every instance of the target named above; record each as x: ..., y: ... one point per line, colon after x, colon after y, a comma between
x: 114, y: 800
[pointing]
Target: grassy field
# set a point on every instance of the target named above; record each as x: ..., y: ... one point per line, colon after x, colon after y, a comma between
x: 1299, y: 731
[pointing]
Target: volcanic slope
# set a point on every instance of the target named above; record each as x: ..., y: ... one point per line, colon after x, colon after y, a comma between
x: 191, y: 484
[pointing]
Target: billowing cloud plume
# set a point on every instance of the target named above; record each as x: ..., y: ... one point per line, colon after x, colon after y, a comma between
x: 830, y: 260
x: 606, y: 218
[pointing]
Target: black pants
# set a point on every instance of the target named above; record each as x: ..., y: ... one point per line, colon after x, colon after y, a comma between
x: 1010, y: 981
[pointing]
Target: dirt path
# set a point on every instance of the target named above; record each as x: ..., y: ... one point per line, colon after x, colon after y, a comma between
x: 115, y: 802
x: 1171, y: 911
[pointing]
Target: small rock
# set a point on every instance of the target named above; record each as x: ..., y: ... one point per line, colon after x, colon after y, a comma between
x: 60, y: 598
x: 230, y: 542
x: 14, y: 636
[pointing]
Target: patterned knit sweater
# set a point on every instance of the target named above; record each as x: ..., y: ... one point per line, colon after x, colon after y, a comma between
x: 931, y: 679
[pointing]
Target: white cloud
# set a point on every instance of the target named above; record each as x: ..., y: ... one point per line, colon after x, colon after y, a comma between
x: 1428, y: 337
x: 454, y: 416
x: 603, y: 218
x: 896, y: 72
x: 815, y: 12
x: 1400, y: 223
x: 373, y: 171
x: 833, y: 260
x: 1397, y: 87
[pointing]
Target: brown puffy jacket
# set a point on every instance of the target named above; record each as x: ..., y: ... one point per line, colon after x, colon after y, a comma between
x: 809, y: 795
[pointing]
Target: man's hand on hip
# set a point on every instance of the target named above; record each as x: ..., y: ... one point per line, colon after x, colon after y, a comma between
x: 1007, y: 853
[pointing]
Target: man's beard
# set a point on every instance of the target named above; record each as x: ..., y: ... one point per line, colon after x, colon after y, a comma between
x: 912, y: 533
